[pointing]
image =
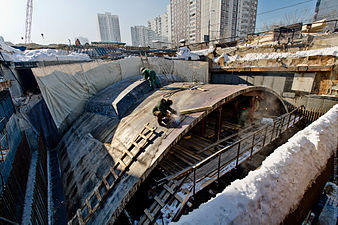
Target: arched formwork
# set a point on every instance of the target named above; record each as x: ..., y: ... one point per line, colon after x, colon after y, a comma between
x: 102, y: 143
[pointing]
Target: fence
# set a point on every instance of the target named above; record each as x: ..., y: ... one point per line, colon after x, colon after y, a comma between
x: 309, y: 114
x: 232, y: 155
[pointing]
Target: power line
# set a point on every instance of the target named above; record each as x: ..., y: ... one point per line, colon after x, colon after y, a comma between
x: 285, y: 7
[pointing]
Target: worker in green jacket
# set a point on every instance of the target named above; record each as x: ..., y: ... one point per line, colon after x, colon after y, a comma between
x: 162, y: 110
x: 151, y: 75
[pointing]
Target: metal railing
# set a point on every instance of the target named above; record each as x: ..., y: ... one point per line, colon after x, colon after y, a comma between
x: 232, y: 155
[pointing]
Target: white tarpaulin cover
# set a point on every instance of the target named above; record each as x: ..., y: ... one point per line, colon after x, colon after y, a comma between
x: 66, y: 88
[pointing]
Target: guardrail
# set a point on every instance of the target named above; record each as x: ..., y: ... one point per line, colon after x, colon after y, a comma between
x: 242, y: 149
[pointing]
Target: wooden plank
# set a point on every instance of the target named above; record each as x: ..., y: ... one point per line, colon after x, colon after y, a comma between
x: 159, y: 201
x: 90, y: 211
x: 169, y: 189
x: 135, y: 144
x: 143, y: 136
x: 79, y: 216
x: 178, y: 198
x: 128, y: 153
x: 98, y: 196
x: 105, y: 182
x: 194, y: 110
x: 149, y: 128
x: 112, y: 171
x: 120, y: 162
x: 148, y: 214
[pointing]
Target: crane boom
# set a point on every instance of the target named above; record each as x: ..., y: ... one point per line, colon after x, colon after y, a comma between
x: 29, y: 14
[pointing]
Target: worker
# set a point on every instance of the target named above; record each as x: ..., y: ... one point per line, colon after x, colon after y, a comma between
x: 151, y: 75
x: 162, y: 110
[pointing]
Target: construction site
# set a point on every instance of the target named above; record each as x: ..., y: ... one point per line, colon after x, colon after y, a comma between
x: 250, y: 136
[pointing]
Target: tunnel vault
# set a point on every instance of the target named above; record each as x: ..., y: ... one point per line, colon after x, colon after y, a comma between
x: 105, y: 159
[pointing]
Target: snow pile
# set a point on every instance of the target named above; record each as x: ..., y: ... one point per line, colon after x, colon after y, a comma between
x: 204, y: 52
x: 267, y: 195
x: 15, y: 55
x: 227, y: 58
x: 184, y: 53
x: 333, y: 51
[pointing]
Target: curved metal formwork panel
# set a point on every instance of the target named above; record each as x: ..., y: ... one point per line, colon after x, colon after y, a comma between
x: 105, y: 159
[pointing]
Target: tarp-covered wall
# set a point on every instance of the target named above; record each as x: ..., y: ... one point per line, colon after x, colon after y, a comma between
x: 66, y: 88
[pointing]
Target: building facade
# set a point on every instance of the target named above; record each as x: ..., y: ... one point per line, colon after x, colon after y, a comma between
x: 140, y: 36
x: 161, y: 26
x: 109, y: 27
x: 198, y: 21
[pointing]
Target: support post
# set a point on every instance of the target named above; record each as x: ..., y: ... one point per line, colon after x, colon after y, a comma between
x: 273, y: 130
x: 218, y: 127
x: 219, y: 165
x: 253, y: 143
x: 287, y: 126
x: 265, y: 133
x: 239, y: 147
x: 194, y: 182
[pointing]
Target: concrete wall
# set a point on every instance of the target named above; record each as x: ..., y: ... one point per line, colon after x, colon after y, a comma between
x: 273, y: 80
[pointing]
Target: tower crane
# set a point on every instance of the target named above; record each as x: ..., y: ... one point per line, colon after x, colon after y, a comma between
x: 29, y: 14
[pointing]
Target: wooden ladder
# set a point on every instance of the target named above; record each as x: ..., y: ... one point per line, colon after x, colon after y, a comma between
x: 144, y: 60
x: 105, y: 186
x: 168, y: 193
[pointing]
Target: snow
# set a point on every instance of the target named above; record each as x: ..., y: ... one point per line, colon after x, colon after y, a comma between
x: 204, y: 52
x: 268, y: 194
x: 333, y: 51
x: 184, y: 53
x: 15, y: 55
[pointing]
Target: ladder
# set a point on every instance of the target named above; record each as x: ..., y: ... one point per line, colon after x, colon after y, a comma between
x: 144, y: 60
x: 108, y: 182
x: 167, y: 195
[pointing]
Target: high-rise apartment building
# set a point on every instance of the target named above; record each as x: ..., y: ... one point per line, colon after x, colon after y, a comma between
x: 140, y: 36
x: 109, y: 27
x: 199, y: 20
x: 180, y: 20
x: 161, y: 25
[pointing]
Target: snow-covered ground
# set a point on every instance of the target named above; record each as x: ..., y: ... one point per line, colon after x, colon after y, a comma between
x: 268, y: 194
x: 279, y: 55
x: 14, y: 55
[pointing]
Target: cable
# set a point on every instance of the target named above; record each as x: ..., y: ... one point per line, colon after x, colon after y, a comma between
x: 285, y: 7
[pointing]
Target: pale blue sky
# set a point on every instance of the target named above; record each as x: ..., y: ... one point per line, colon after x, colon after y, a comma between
x: 60, y: 20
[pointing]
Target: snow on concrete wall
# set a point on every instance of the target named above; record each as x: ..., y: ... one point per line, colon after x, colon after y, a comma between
x: 66, y: 88
x: 15, y: 55
x: 268, y: 194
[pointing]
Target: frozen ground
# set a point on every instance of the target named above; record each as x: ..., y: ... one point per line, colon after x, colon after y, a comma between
x: 14, y: 55
x: 268, y: 194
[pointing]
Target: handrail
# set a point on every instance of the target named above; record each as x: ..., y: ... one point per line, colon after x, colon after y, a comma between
x: 275, y: 132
